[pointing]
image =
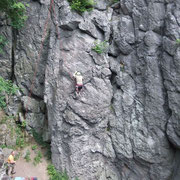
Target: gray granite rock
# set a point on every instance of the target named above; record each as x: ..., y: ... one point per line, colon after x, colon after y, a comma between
x: 1, y: 158
x: 137, y: 109
x: 124, y: 125
x: 31, y: 50
x: 6, y: 55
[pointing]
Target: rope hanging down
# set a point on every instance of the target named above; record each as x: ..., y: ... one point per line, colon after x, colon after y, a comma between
x: 39, y: 54
x: 52, y: 7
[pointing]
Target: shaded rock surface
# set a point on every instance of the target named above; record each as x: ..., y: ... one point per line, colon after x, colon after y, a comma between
x: 7, y: 131
x: 126, y: 122
x: 3, y: 157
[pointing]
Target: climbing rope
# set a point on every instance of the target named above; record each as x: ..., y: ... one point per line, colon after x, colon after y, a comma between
x: 39, y: 54
x: 51, y: 9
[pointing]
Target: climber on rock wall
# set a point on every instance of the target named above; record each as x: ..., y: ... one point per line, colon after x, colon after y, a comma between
x: 79, y: 81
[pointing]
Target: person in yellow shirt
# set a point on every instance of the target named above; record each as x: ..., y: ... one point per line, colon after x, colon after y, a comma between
x: 11, y: 163
x: 79, y: 81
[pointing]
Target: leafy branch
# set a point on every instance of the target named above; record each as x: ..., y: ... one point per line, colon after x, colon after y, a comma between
x: 6, y: 90
x: 82, y: 5
x: 100, y: 47
x: 15, y: 11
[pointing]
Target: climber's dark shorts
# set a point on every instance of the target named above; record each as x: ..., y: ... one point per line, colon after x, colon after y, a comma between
x: 79, y: 86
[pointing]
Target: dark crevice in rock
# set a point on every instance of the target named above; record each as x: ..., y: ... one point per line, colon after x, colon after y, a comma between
x: 111, y: 35
x: 38, y: 98
x: 14, y: 42
x: 101, y: 31
x: 176, y: 172
x: 112, y: 55
x: 101, y: 10
x: 31, y: 95
x: 108, y: 126
x: 87, y: 32
x: 116, y: 9
x: 113, y: 78
x: 166, y: 107
x: 113, y: 112
x: 114, y: 82
x: 46, y: 116
x: 37, y: 1
x: 23, y: 111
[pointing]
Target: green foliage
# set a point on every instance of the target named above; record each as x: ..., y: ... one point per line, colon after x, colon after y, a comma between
x: 3, y: 146
x: 2, y: 102
x: 3, y: 42
x: 20, y: 140
x: 6, y: 88
x: 100, y: 47
x: 17, y: 15
x: 51, y: 170
x: 55, y: 175
x: 4, y: 120
x: 39, y: 139
x: 178, y: 41
x: 23, y: 124
x: 34, y: 147
x: 17, y: 156
x: 15, y: 11
x: 48, y: 152
x: 115, y: 1
x: 81, y: 5
x: 11, y: 131
x: 27, y: 156
x: 37, y: 158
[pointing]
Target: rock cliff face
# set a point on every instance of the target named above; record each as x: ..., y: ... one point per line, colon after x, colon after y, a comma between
x: 126, y: 123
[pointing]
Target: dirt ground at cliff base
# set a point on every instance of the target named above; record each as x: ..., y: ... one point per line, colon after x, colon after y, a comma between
x: 28, y: 169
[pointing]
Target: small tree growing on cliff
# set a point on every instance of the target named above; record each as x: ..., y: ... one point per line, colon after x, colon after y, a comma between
x: 15, y: 11
x: 178, y: 41
x: 6, y: 89
x: 100, y: 47
x: 81, y: 5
